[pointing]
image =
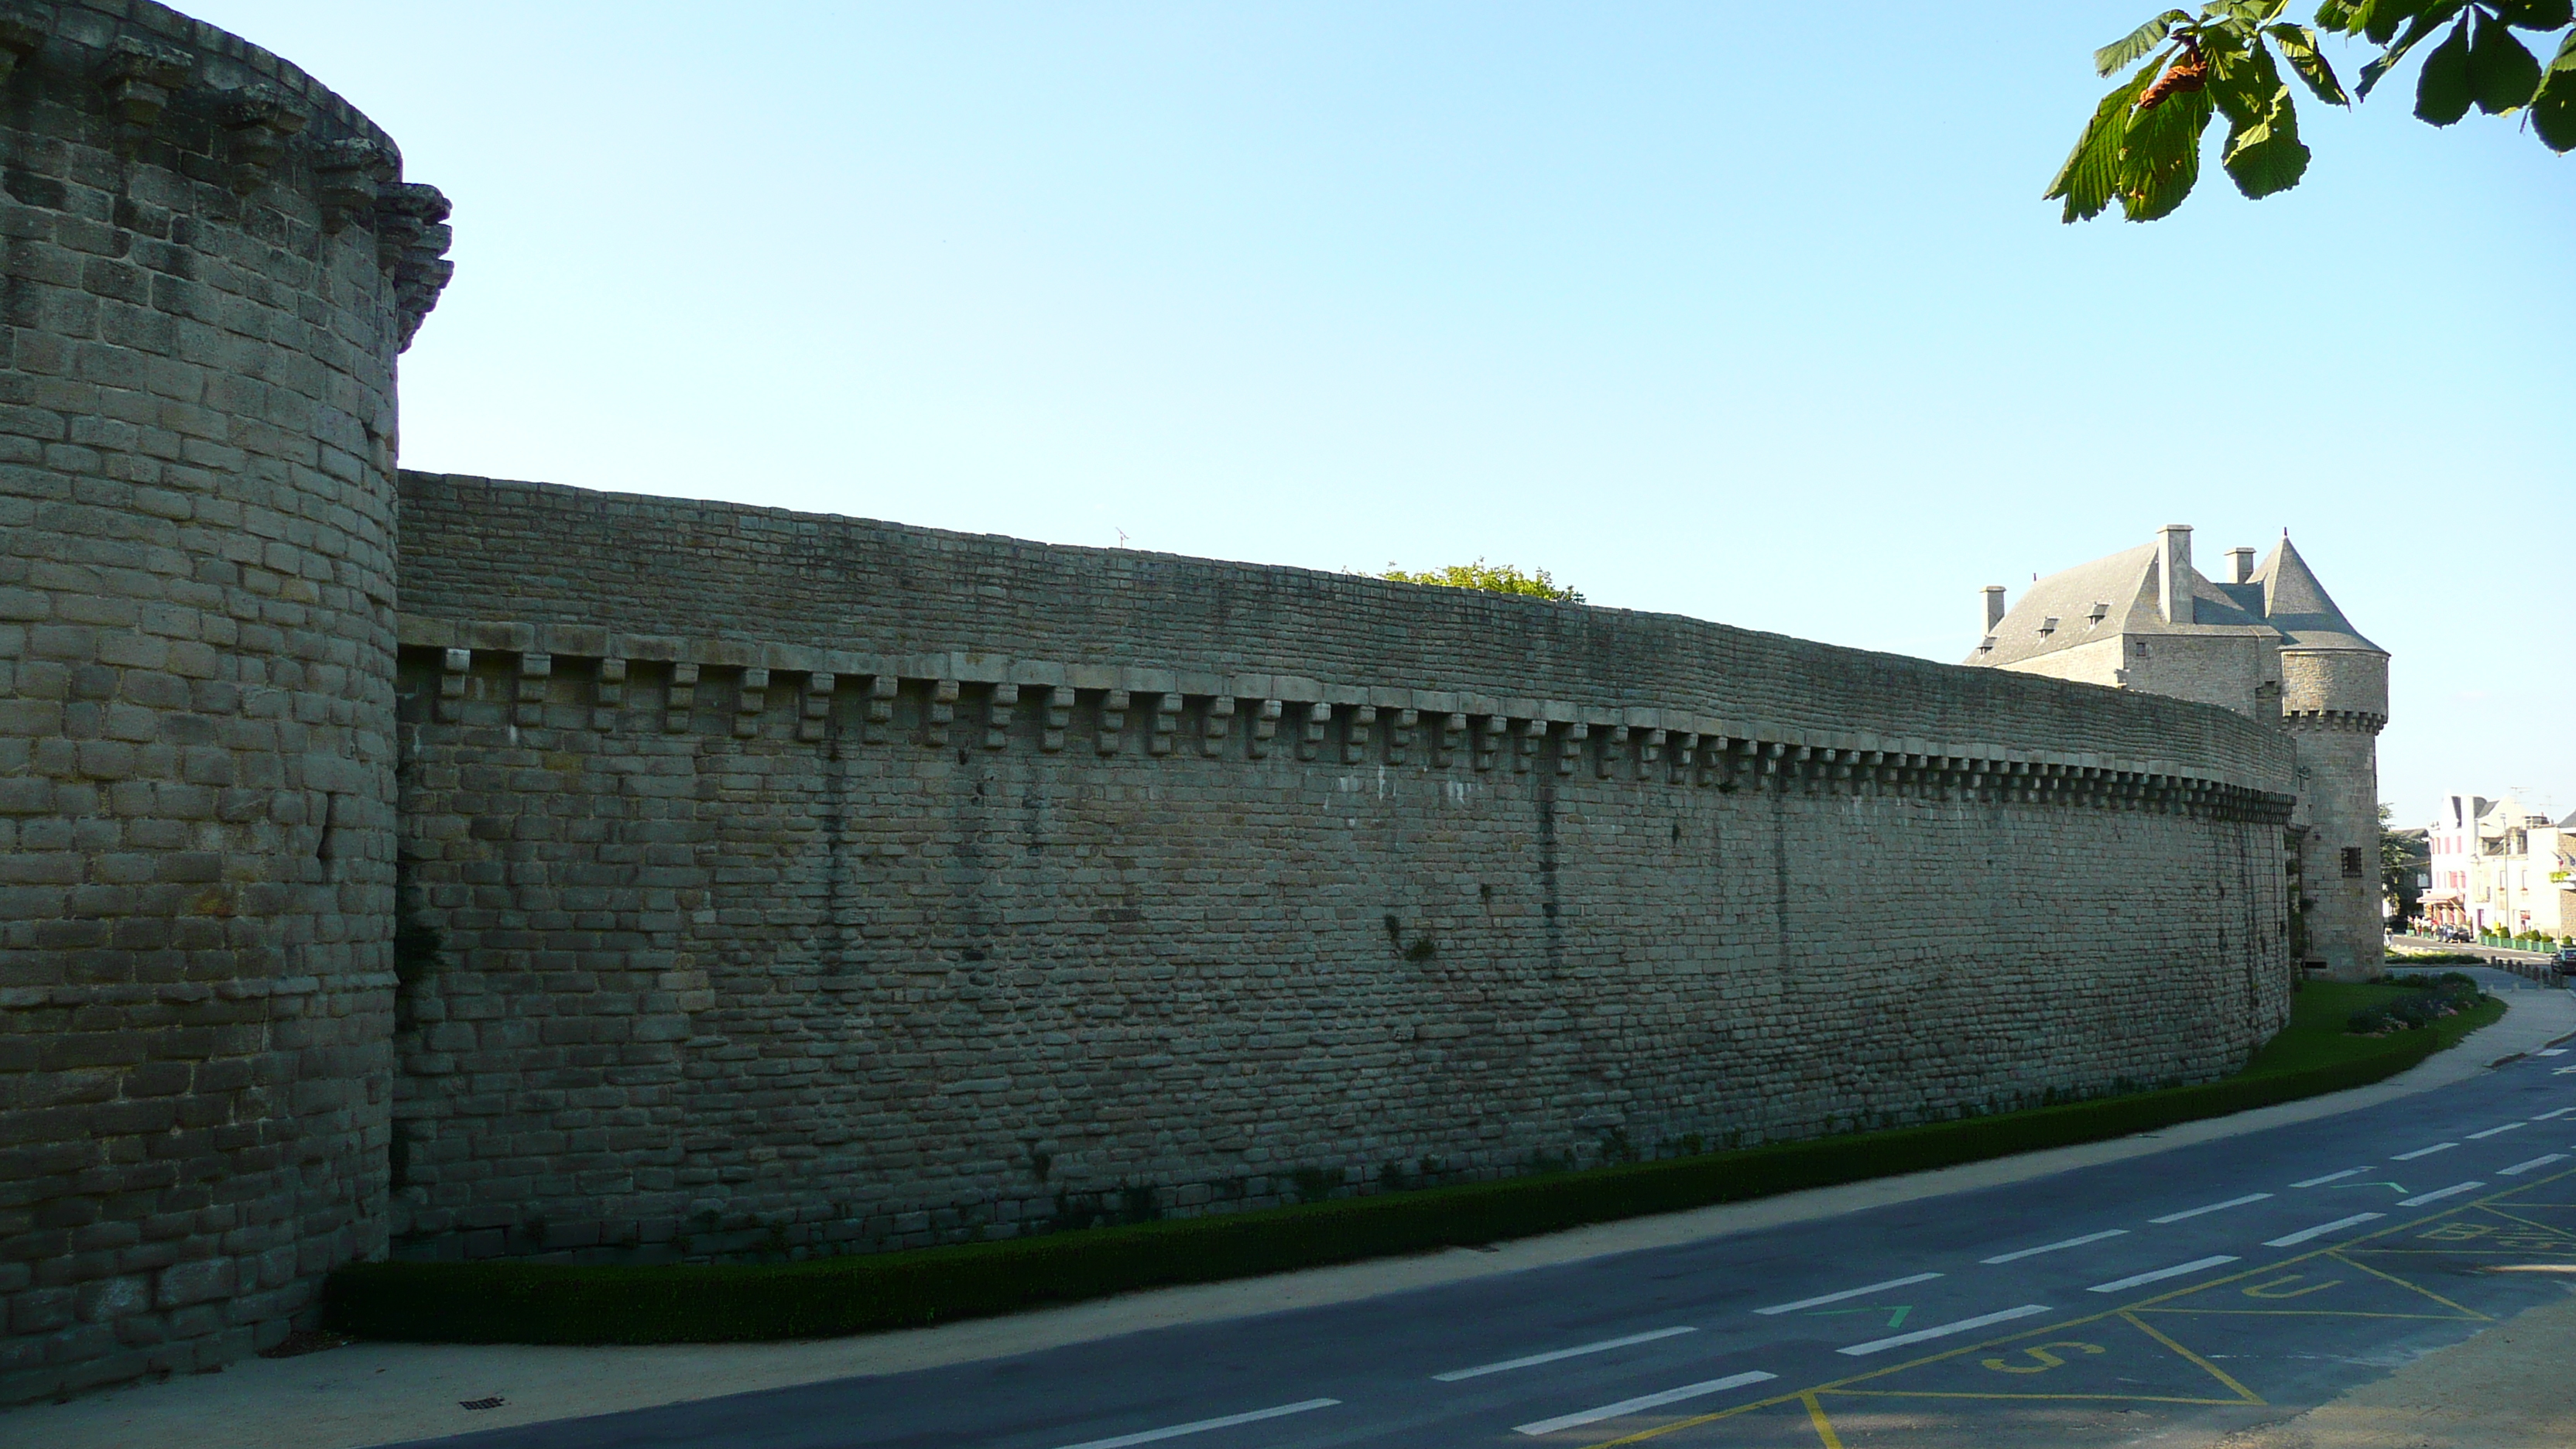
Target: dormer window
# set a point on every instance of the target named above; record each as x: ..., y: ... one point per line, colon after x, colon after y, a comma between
x: 2100, y: 612
x: 1986, y: 645
x: 2048, y: 626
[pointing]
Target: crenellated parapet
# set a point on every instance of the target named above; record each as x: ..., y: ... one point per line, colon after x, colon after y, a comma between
x: 529, y: 675
x: 183, y: 95
x: 2344, y: 721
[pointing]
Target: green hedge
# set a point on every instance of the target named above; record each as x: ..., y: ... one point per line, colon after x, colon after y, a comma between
x: 514, y: 1302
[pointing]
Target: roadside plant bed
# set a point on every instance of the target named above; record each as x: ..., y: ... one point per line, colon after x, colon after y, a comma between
x: 2425, y: 1001
x: 2436, y: 958
x: 508, y: 1302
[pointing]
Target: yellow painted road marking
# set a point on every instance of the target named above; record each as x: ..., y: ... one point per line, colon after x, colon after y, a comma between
x: 2265, y: 1290
x: 2042, y: 1359
x: 1825, y: 1434
x: 2213, y: 1370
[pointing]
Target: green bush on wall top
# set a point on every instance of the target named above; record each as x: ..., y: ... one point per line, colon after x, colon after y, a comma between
x: 517, y: 1302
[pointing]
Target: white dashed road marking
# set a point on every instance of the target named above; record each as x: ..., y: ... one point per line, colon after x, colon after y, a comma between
x: 2498, y: 1131
x: 2292, y: 1240
x: 2519, y: 1168
x: 1944, y: 1330
x: 2158, y: 1275
x: 2332, y: 1177
x: 2561, y: 1112
x: 2213, y: 1207
x: 1201, y: 1426
x: 2424, y: 1152
x: 1580, y: 1349
x: 1643, y: 1402
x: 2454, y: 1190
x: 1824, y: 1298
x: 2016, y: 1257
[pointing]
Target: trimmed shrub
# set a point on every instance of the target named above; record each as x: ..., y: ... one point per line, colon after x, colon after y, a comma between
x: 513, y: 1302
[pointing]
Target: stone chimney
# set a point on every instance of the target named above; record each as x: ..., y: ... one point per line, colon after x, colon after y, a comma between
x: 2243, y: 569
x: 1994, y: 608
x: 2173, y: 572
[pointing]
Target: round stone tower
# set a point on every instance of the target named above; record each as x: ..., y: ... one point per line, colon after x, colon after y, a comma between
x: 2334, y: 702
x: 210, y: 267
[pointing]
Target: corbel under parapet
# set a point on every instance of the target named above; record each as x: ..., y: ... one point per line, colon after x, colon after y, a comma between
x: 681, y: 703
x: 997, y: 716
x: 1162, y: 719
x: 749, y: 701
x: 814, y: 716
x: 1059, y: 717
x: 1265, y: 727
x: 141, y: 77
x: 880, y: 708
x: 258, y: 122
x: 1114, y: 704
x: 943, y: 713
x: 455, y: 667
x: 1356, y: 732
x: 1453, y: 732
x: 1220, y: 717
x: 535, y: 671
x: 1310, y: 740
x: 608, y: 694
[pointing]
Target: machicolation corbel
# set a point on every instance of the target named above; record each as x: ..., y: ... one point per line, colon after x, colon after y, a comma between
x: 141, y: 77
x: 997, y: 720
x: 682, y: 701
x: 350, y: 171
x: 258, y: 122
x: 749, y: 701
x: 814, y: 720
x: 22, y: 34
x: 1220, y: 714
x: 535, y: 671
x: 942, y: 714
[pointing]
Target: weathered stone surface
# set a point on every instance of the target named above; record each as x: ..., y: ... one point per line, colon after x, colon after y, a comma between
x: 718, y: 974
x: 196, y: 699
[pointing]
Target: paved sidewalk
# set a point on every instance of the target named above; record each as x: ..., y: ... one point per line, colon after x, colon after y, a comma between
x: 376, y: 1393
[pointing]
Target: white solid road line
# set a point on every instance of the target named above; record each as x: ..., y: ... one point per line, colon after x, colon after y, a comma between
x: 2053, y: 1247
x: 2454, y: 1190
x: 2332, y: 1177
x: 2561, y: 1112
x: 1578, y: 1351
x: 1944, y: 1330
x: 2424, y: 1152
x: 2498, y: 1131
x: 2292, y: 1240
x: 2519, y: 1168
x: 1824, y: 1298
x: 1643, y: 1402
x: 1201, y: 1426
x: 2160, y: 1274
x: 2213, y: 1207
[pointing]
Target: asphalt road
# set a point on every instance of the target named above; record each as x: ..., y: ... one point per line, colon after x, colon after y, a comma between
x: 2203, y: 1289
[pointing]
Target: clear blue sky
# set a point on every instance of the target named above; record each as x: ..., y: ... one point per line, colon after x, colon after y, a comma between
x: 1747, y: 312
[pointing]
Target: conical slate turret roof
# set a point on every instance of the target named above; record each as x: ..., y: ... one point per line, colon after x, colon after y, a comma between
x: 2297, y: 605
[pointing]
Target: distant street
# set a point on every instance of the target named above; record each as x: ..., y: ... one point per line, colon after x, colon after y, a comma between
x: 2204, y: 1289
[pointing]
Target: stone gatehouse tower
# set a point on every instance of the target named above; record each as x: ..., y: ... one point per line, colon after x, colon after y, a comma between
x: 2268, y: 643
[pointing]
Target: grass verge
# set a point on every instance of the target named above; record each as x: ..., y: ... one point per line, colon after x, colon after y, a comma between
x: 511, y: 1302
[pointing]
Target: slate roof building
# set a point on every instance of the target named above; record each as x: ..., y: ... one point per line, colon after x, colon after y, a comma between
x: 2266, y: 641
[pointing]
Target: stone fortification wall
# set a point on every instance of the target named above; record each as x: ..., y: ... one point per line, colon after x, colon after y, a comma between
x: 812, y: 881
x: 210, y: 268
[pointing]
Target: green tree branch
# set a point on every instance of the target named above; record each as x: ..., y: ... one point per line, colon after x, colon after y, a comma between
x: 2142, y: 147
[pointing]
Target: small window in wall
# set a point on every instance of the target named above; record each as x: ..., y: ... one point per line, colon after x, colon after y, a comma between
x: 2352, y: 861
x: 2142, y: 648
